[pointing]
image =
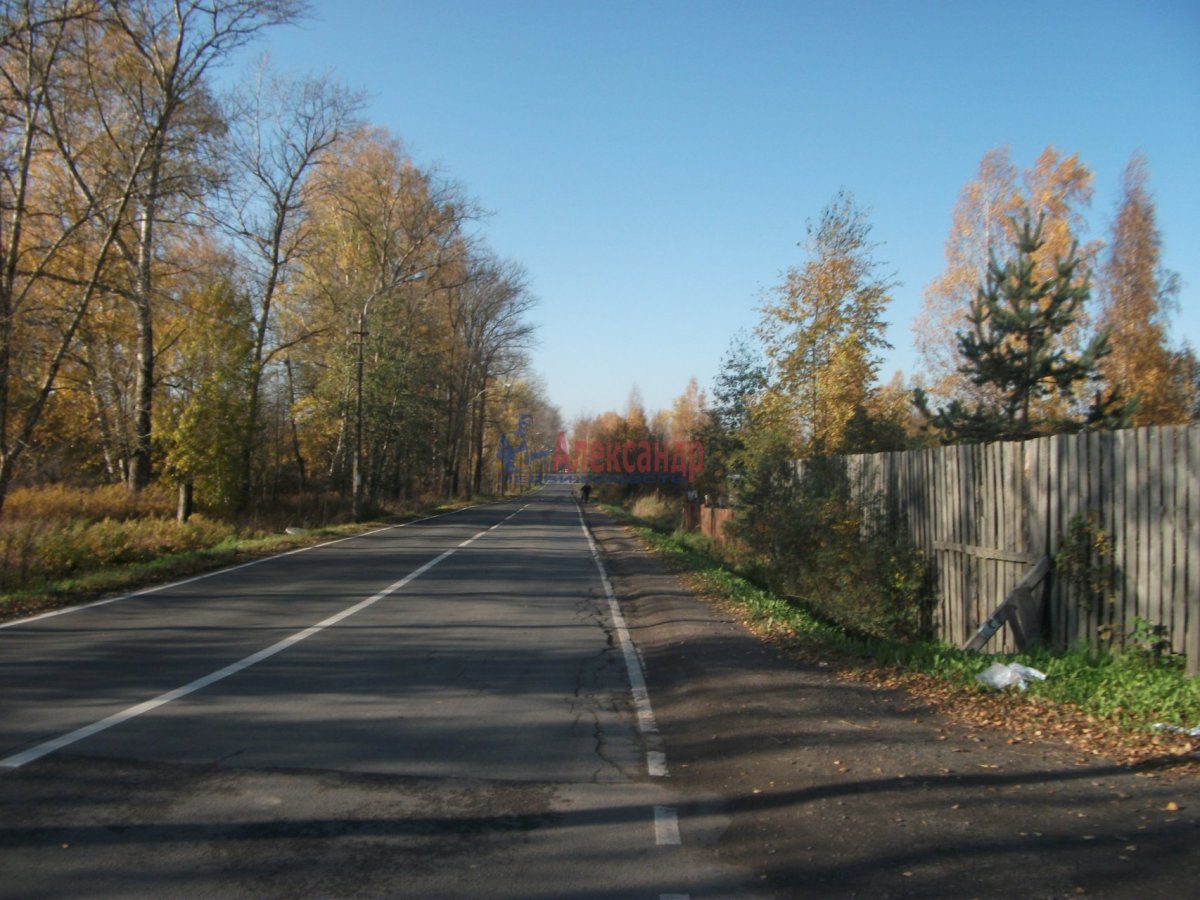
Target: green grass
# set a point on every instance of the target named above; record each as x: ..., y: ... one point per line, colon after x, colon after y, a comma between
x: 1131, y: 688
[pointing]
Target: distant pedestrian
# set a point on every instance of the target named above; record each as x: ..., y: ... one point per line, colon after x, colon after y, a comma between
x: 585, y: 492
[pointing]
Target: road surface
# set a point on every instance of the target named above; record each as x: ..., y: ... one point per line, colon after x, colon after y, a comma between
x: 450, y: 708
x: 481, y: 705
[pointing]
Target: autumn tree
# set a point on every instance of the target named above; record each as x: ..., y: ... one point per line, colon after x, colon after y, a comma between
x: 485, y: 335
x: 204, y: 404
x: 1013, y: 347
x: 886, y: 421
x: 281, y: 131
x: 52, y: 251
x: 387, y: 235
x: 823, y: 331
x: 688, y: 414
x: 1057, y: 189
x: 150, y: 113
x: 1137, y: 297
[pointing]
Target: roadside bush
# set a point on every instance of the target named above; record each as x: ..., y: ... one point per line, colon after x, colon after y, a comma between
x: 59, y: 502
x: 810, y: 541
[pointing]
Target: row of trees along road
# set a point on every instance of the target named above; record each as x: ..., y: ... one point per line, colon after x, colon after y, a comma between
x: 252, y: 293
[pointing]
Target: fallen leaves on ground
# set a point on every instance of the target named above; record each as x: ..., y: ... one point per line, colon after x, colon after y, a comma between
x: 1030, y: 719
x: 1021, y: 718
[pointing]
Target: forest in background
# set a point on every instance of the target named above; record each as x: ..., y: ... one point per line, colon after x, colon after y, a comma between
x: 256, y: 301
x: 254, y: 296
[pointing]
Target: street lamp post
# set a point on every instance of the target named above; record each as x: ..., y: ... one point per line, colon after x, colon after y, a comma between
x: 477, y: 481
x: 357, y: 504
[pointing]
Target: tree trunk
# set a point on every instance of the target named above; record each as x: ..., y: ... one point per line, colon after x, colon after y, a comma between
x: 479, y: 446
x: 140, y: 463
x: 140, y: 459
x: 300, y: 467
x: 184, y: 511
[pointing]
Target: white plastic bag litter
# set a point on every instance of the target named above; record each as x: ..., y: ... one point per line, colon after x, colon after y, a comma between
x: 1175, y: 729
x: 1001, y: 675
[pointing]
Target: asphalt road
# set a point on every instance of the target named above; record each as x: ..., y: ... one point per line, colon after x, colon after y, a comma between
x: 449, y: 708
x: 483, y: 705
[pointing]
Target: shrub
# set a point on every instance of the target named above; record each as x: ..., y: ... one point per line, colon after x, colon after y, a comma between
x: 810, y: 540
x: 59, y: 502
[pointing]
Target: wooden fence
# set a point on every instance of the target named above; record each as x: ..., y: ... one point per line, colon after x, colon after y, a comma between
x: 710, y: 521
x: 986, y: 514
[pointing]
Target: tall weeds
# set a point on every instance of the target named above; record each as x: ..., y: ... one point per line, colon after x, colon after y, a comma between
x: 54, y: 533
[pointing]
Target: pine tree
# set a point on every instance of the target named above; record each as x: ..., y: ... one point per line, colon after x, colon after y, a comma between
x: 1057, y: 187
x: 1013, y: 347
x: 736, y: 388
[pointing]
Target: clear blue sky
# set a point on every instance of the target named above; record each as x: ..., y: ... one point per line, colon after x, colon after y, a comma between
x: 653, y: 164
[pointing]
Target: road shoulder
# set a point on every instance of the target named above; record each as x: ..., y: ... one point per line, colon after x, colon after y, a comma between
x: 834, y: 788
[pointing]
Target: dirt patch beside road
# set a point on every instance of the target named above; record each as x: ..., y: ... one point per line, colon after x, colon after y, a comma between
x: 834, y: 788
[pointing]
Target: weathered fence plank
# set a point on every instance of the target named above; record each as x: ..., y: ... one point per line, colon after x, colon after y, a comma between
x: 983, y: 515
x: 1192, y: 476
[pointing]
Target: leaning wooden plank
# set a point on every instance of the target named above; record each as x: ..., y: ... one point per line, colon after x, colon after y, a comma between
x: 1192, y: 470
x: 1006, y: 610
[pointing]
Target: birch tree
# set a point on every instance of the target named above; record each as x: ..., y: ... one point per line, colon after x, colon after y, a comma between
x: 145, y: 66
x: 823, y: 331
x: 388, y: 234
x: 282, y: 131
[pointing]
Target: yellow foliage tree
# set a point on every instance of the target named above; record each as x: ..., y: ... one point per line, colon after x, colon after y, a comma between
x: 1055, y: 190
x: 1137, y: 297
x: 823, y: 331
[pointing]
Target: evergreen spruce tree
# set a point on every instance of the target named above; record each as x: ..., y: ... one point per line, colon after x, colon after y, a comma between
x: 736, y: 388
x: 1012, y: 349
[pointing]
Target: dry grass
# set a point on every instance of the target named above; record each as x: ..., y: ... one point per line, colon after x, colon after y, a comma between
x: 59, y: 543
x: 61, y: 503
x: 657, y: 509
x: 54, y: 533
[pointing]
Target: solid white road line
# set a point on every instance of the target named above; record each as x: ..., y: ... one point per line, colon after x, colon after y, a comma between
x: 637, y: 679
x: 37, y: 752
x: 666, y: 826
x: 254, y: 562
x: 656, y: 762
